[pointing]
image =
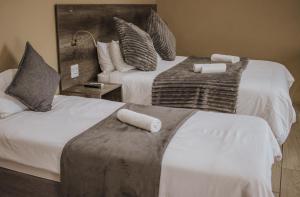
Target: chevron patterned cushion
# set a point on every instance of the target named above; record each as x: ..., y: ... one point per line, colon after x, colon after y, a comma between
x: 163, y: 39
x: 136, y: 46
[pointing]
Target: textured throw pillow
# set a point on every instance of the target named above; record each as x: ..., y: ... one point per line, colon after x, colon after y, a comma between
x: 104, y: 58
x: 163, y: 39
x: 117, y: 58
x: 136, y: 46
x: 35, y: 82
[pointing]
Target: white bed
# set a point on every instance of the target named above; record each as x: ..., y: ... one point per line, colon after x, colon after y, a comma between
x: 263, y: 92
x: 212, y: 154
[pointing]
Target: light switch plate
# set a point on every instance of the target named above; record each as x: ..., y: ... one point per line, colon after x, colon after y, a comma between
x: 74, y: 71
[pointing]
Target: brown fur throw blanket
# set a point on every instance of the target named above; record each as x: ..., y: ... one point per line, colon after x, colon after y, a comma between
x: 114, y: 159
x: 182, y: 88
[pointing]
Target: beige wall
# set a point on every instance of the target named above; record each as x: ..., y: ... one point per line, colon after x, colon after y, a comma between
x: 261, y: 29
x: 34, y: 20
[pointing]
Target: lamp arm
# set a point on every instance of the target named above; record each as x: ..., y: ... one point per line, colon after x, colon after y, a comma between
x: 74, y: 40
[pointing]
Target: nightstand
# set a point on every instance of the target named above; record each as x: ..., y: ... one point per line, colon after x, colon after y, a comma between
x: 110, y: 91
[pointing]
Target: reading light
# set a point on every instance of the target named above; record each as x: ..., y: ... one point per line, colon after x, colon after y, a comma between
x: 74, y: 38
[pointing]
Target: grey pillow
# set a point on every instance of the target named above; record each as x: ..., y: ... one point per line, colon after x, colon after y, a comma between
x: 163, y: 39
x: 35, y: 82
x: 136, y: 46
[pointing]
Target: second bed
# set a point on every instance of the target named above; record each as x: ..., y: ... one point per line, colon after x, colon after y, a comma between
x: 263, y: 91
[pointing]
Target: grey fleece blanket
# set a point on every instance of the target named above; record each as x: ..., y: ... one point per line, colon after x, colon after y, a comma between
x: 114, y: 159
x: 181, y: 87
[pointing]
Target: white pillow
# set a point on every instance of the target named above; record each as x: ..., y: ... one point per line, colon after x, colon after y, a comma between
x: 6, y: 78
x: 8, y: 104
x: 104, y: 58
x: 117, y: 58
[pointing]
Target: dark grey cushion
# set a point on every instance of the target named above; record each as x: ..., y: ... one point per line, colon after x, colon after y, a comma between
x: 35, y: 82
x: 136, y: 46
x: 163, y: 39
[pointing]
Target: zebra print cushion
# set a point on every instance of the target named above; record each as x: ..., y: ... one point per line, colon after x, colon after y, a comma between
x: 136, y: 46
x: 163, y: 39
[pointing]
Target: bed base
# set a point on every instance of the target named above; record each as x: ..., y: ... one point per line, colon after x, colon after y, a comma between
x: 17, y: 184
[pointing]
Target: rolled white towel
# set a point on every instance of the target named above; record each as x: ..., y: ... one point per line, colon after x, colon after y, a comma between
x: 210, y: 68
x: 139, y: 120
x: 225, y: 58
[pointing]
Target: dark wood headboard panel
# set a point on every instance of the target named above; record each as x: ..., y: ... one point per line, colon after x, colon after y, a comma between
x: 97, y: 19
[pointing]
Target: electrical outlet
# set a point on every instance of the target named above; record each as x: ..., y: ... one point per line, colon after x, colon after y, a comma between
x: 74, y: 71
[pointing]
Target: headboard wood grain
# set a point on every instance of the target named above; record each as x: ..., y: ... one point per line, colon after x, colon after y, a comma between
x: 97, y: 19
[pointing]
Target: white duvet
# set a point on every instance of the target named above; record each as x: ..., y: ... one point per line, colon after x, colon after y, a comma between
x: 211, y: 155
x: 263, y: 92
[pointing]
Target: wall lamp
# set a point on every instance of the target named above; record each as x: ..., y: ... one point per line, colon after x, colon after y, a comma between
x: 74, y: 38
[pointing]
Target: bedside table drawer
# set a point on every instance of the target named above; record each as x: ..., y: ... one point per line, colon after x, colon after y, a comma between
x: 111, y: 92
x: 115, y: 95
x: 81, y: 95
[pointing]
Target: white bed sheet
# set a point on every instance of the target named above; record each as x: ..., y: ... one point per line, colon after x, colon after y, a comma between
x: 263, y: 92
x: 212, y: 154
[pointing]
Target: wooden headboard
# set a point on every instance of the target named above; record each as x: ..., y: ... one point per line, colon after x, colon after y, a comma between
x: 97, y: 19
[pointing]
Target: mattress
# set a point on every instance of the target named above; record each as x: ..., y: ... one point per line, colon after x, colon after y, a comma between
x: 263, y: 92
x: 212, y: 154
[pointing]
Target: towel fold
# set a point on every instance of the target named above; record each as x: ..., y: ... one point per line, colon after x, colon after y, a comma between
x: 210, y: 68
x: 139, y: 120
x: 225, y: 58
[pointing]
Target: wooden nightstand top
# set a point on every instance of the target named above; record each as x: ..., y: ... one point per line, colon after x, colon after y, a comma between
x: 80, y: 90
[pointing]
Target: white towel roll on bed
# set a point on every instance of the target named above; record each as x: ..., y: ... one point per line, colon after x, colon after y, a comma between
x: 139, y: 120
x: 210, y: 68
x: 225, y: 58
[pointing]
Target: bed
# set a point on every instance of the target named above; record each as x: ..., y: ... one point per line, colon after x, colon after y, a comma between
x: 263, y: 91
x: 233, y: 157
